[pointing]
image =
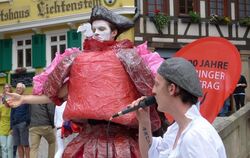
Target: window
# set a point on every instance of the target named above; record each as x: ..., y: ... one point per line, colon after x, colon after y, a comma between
x: 57, y: 44
x: 23, y: 51
x: 185, y: 6
x: 217, y: 7
x: 155, y: 6
x: 56, y: 41
x: 243, y: 8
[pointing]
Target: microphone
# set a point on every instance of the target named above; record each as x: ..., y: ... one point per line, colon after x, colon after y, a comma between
x: 142, y: 104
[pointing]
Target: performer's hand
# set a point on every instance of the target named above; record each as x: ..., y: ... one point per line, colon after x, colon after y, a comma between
x: 14, y: 100
x: 142, y: 114
x: 85, y: 29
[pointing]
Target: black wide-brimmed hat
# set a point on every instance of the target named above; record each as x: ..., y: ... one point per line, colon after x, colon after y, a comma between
x: 122, y: 23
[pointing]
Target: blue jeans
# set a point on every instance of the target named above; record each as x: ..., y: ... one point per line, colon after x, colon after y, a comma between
x: 6, y: 146
x: 225, y: 108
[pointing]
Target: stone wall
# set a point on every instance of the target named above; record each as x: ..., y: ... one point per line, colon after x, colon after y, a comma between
x: 235, y: 132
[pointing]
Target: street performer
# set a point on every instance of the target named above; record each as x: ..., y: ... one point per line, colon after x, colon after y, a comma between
x: 102, y: 79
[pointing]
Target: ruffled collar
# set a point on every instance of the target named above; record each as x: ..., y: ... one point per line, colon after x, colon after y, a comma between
x: 95, y: 45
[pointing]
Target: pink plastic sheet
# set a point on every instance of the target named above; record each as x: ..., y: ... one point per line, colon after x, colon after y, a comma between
x: 39, y: 80
x: 152, y: 60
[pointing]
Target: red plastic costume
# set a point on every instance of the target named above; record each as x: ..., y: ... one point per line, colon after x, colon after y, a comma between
x: 103, y: 80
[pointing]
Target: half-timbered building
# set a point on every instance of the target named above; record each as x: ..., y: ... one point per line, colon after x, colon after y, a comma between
x: 188, y: 20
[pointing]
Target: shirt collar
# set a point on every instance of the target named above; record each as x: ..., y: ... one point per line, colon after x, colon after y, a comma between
x: 193, y: 112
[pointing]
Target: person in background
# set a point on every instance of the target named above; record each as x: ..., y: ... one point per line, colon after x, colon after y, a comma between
x: 20, y: 120
x: 5, y: 131
x: 225, y: 110
x: 239, y: 92
x: 176, y: 91
x: 14, y: 151
x: 58, y: 119
x: 41, y: 125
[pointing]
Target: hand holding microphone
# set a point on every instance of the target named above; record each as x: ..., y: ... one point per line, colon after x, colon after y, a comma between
x: 142, y: 104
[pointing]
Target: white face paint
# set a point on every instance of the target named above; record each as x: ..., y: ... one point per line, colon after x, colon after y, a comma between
x: 102, y: 30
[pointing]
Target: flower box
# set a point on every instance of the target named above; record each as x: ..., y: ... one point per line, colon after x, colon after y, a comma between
x: 219, y: 20
x: 20, y: 70
x: 160, y: 21
x: 245, y: 21
x: 191, y: 17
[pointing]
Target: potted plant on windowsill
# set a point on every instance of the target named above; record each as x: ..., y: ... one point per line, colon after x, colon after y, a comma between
x: 245, y: 21
x: 191, y: 17
x: 195, y: 17
x: 160, y: 20
x: 219, y: 20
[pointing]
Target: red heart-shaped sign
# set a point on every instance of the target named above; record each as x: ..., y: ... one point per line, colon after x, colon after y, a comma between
x: 218, y: 65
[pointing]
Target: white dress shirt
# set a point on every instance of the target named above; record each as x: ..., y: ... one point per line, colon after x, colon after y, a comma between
x: 198, y: 140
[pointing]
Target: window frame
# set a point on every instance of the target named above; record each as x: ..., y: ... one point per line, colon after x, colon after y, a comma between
x: 196, y: 7
x: 165, y: 9
x: 237, y: 10
x: 15, y: 48
x: 225, y: 8
x: 49, y: 34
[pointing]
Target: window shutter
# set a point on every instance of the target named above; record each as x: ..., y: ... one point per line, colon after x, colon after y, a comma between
x: 6, y: 55
x: 38, y: 51
x: 74, y: 39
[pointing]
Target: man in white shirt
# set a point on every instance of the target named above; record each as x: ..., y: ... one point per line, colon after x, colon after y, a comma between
x: 176, y: 90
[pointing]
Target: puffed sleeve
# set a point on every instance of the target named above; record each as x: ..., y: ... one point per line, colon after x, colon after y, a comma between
x: 137, y: 70
x: 56, y: 78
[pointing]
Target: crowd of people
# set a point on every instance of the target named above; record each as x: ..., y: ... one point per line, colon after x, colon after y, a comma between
x: 23, y: 127
x: 18, y: 123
